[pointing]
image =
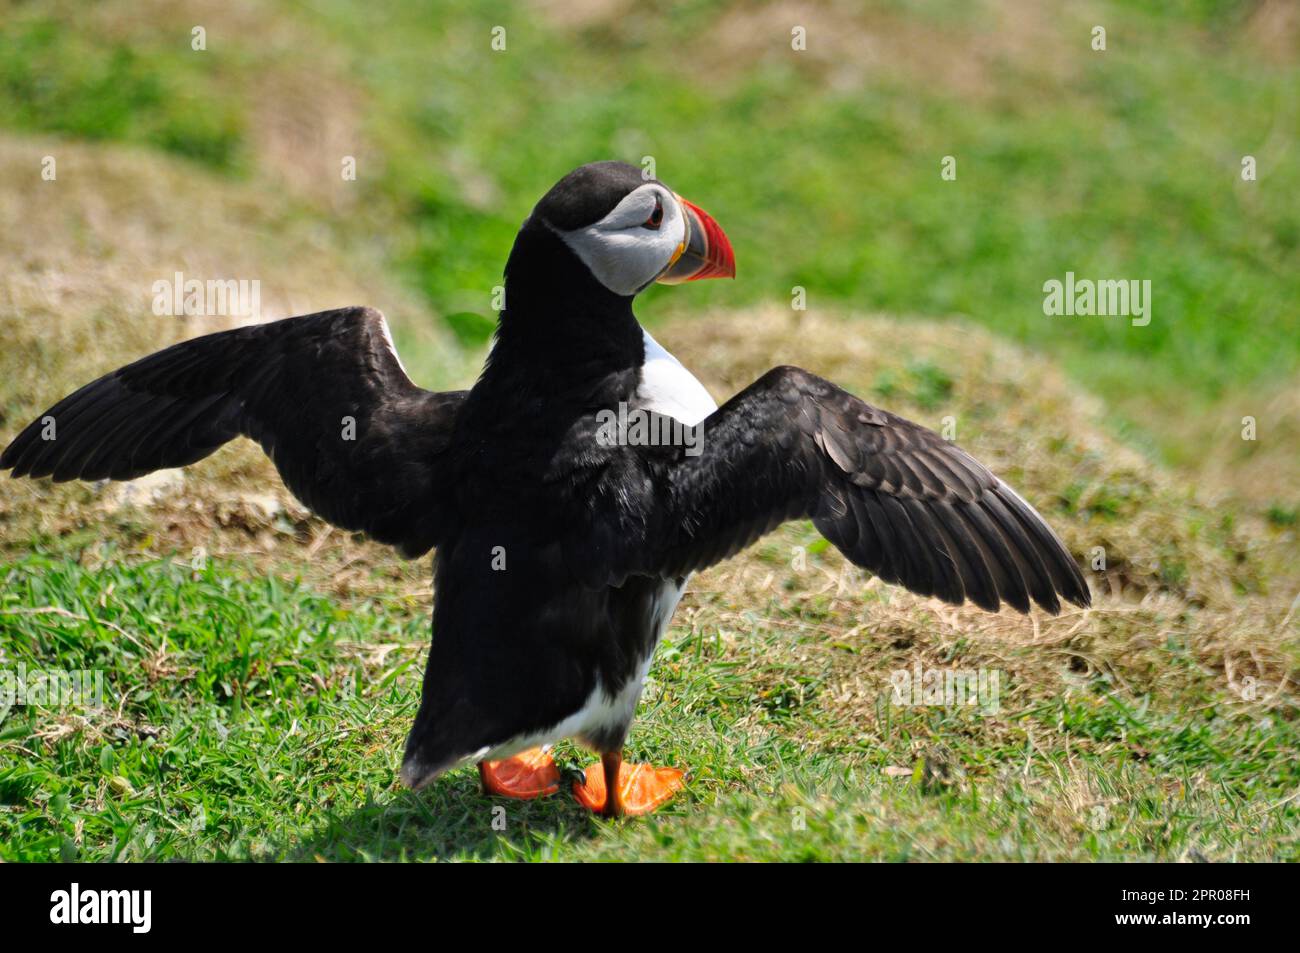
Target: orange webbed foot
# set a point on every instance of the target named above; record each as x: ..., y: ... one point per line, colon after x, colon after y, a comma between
x: 641, y: 788
x: 526, y: 775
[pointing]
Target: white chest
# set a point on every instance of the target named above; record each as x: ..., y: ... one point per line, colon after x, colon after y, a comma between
x: 670, y: 389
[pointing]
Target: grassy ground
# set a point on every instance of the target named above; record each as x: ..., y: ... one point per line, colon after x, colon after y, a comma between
x: 264, y: 721
x: 259, y: 701
x: 262, y: 670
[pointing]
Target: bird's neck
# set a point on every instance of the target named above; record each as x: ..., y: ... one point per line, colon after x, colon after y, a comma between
x: 561, y: 334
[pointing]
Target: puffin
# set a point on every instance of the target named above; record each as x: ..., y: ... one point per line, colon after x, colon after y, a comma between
x: 568, y: 495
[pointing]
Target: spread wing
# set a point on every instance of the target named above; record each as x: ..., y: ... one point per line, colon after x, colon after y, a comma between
x: 324, y: 394
x: 894, y: 497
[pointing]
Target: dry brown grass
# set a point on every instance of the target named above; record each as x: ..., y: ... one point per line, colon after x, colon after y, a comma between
x: 850, y: 44
x: 1257, y: 473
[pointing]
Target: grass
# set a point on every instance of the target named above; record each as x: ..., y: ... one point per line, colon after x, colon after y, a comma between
x: 261, y: 671
x: 250, y: 718
x: 257, y: 704
x: 60, y: 81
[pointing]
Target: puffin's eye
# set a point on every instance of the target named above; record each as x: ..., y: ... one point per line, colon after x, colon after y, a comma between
x: 656, y: 217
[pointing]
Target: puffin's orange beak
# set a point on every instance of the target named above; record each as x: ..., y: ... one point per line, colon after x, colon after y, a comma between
x: 705, y: 253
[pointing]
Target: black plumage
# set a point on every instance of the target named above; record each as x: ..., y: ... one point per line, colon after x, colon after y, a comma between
x: 895, y: 497
x: 324, y: 394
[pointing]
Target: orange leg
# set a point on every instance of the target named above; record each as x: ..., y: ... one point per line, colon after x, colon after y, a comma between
x: 527, y: 775
x: 613, y: 788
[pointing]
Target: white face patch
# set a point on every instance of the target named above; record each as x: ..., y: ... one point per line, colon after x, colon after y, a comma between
x: 624, y: 253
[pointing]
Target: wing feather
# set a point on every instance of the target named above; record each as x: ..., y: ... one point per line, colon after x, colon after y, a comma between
x: 894, y: 497
x: 289, y: 385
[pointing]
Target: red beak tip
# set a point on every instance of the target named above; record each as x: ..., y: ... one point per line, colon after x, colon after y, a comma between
x: 719, y: 260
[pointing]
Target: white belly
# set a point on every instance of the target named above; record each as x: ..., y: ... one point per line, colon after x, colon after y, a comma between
x: 607, y: 708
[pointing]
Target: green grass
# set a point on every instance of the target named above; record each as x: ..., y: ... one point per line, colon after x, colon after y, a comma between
x: 1122, y: 164
x: 251, y: 718
x: 59, y: 79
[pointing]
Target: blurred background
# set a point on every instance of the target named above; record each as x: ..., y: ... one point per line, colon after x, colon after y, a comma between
x: 823, y: 164
x: 215, y: 138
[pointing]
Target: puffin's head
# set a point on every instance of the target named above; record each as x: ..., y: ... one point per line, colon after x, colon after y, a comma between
x: 630, y: 231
